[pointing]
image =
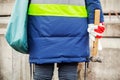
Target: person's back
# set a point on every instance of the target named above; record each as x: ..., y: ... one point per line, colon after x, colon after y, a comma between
x: 57, y: 33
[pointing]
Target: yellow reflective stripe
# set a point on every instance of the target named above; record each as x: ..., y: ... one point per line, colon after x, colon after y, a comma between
x: 57, y: 10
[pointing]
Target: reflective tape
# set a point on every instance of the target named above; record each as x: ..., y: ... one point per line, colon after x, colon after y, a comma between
x: 71, y: 2
x: 57, y: 10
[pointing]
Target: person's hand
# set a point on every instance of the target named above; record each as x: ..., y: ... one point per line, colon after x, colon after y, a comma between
x: 95, y: 31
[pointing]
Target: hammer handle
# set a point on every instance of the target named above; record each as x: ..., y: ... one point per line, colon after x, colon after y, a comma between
x: 95, y: 43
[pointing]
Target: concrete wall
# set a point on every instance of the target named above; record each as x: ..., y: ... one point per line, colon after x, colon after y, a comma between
x: 15, y: 66
x: 6, y: 7
x: 110, y: 5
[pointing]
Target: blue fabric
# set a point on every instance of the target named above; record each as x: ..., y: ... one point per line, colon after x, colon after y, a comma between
x: 66, y: 71
x: 43, y: 72
x: 57, y: 39
x: 16, y: 34
x: 91, y: 6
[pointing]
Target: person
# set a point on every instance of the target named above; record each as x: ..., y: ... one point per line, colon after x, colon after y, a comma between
x: 59, y: 32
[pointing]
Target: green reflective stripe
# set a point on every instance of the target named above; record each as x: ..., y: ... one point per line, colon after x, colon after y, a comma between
x: 57, y: 10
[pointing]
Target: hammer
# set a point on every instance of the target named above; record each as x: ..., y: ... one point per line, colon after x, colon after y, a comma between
x: 95, y: 43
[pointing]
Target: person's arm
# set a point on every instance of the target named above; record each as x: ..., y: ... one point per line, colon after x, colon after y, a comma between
x: 91, y: 5
x: 94, y: 30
